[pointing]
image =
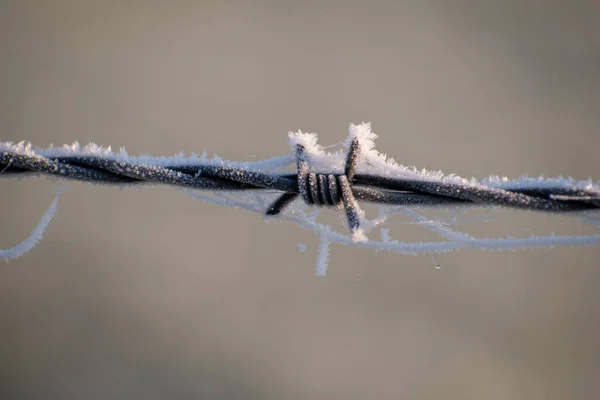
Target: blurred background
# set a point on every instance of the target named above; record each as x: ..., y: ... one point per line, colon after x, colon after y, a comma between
x: 149, y: 294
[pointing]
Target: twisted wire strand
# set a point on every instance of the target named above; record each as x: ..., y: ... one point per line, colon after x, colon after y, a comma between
x: 342, y: 191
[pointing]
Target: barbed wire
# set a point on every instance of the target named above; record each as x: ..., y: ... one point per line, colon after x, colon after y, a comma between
x: 327, y: 186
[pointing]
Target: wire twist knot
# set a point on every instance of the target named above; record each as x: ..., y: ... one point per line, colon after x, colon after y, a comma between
x: 321, y: 189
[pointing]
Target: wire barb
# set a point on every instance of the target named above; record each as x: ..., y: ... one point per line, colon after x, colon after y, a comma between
x: 326, y: 189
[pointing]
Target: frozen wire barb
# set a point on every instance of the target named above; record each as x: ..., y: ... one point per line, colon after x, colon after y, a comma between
x: 326, y: 189
x: 336, y: 180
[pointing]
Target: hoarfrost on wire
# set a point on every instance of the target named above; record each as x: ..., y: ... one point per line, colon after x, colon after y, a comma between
x: 370, y: 161
x: 36, y: 235
x: 301, y: 247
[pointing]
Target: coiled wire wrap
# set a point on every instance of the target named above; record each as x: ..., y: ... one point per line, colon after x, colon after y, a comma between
x: 325, y: 189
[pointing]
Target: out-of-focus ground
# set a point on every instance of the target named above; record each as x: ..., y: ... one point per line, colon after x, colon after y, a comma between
x: 148, y: 294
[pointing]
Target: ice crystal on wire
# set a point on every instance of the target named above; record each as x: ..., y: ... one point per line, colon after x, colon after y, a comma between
x: 301, y: 247
x: 36, y: 235
x: 323, y: 252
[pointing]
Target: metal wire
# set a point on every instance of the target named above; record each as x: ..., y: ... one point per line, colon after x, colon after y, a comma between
x: 319, y: 189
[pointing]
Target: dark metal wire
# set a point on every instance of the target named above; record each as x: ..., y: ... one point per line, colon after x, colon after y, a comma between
x: 319, y: 189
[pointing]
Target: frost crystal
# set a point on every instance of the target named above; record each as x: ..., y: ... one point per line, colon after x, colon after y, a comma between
x: 323, y: 253
x: 35, y: 236
x: 301, y: 247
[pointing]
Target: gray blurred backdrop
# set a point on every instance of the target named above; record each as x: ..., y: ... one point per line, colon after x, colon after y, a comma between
x: 148, y: 294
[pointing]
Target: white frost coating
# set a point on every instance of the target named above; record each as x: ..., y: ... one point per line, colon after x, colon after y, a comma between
x: 358, y: 235
x: 416, y: 248
x: 301, y: 247
x: 35, y: 236
x: 437, y: 227
x: 323, y: 252
x: 385, y: 235
x: 94, y: 150
x: 230, y: 199
x: 366, y: 138
x: 321, y: 160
